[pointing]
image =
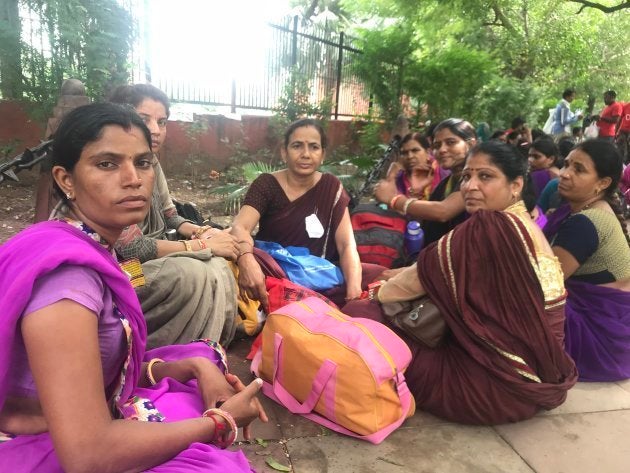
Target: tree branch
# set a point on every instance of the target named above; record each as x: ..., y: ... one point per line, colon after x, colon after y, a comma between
x: 599, y: 6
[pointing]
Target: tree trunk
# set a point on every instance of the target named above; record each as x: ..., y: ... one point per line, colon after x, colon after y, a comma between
x: 10, y: 50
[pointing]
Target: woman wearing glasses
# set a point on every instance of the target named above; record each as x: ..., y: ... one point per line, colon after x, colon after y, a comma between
x: 452, y: 139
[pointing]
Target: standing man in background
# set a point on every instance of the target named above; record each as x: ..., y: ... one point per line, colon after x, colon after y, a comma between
x: 563, y: 117
x: 607, y: 121
x: 623, y: 134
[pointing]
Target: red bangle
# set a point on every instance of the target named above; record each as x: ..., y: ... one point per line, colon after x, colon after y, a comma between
x: 392, y: 203
x: 222, y: 437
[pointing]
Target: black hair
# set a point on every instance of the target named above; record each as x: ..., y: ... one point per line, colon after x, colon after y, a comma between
x: 511, y: 163
x: 518, y: 121
x: 611, y: 93
x: 568, y: 93
x: 565, y: 146
x: 85, y: 125
x: 608, y: 163
x: 513, y: 135
x: 547, y: 147
x: 416, y: 136
x: 538, y: 133
x: 607, y: 160
x: 304, y: 122
x: 458, y: 127
x: 134, y: 95
x: 497, y: 134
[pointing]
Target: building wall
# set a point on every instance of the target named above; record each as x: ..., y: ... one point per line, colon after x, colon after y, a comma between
x: 17, y: 128
x: 212, y: 138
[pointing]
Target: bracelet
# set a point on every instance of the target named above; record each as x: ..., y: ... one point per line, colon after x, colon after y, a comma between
x: 150, y: 368
x: 373, y: 289
x: 244, y: 253
x: 197, y: 233
x: 392, y: 202
x: 240, y: 242
x: 187, y: 245
x: 220, y: 436
x: 408, y: 202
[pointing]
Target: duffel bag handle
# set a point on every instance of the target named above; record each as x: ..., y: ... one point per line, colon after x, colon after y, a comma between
x: 406, y: 401
x: 320, y: 382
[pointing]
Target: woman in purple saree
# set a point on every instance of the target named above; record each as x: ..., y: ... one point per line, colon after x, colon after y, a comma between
x: 594, y: 251
x: 73, y: 367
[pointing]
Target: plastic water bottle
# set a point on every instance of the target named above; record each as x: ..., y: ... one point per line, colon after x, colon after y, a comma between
x: 414, y: 238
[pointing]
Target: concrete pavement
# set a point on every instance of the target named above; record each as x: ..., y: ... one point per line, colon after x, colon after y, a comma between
x: 590, y: 432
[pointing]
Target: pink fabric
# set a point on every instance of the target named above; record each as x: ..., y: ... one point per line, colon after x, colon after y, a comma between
x: 61, y: 244
x: 311, y: 314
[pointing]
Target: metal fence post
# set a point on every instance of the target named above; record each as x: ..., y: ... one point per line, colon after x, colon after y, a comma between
x: 233, y: 99
x: 339, y: 65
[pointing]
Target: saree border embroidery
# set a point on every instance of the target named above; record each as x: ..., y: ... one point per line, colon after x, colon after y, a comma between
x: 449, y: 275
x: 545, y: 267
x: 527, y: 373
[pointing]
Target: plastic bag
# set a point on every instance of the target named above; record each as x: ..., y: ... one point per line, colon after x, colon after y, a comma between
x: 591, y: 131
x: 302, y: 268
x: 549, y: 123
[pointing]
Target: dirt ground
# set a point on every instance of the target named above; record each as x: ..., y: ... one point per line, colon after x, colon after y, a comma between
x: 17, y: 201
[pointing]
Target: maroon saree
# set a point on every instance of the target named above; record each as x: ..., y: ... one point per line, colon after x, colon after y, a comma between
x: 502, y: 359
x: 283, y: 221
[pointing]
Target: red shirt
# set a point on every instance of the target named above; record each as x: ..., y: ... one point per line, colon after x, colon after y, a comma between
x: 625, y: 118
x: 607, y: 128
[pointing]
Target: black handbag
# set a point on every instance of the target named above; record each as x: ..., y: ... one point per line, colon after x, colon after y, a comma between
x: 420, y: 319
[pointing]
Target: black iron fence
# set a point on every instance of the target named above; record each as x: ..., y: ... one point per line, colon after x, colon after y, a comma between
x: 321, y: 61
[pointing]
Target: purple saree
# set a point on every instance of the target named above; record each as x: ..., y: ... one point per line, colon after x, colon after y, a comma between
x: 597, y: 323
x: 597, y: 331
x: 540, y: 178
x: 59, y: 243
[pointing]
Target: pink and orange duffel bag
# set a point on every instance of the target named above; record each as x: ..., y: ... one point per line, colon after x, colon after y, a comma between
x: 342, y: 372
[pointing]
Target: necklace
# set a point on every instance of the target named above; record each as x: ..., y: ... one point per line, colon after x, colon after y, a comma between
x: 587, y: 206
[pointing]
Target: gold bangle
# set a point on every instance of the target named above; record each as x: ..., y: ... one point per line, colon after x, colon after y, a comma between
x: 197, y: 233
x: 408, y: 202
x: 187, y: 245
x: 150, y: 367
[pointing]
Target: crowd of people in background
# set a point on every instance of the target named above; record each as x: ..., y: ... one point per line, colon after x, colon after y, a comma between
x: 527, y: 258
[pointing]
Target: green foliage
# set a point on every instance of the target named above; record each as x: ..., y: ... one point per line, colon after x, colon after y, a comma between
x: 235, y: 189
x: 295, y: 103
x: 504, y: 98
x: 490, y: 60
x: 448, y: 81
x: 195, y: 157
x: 89, y: 40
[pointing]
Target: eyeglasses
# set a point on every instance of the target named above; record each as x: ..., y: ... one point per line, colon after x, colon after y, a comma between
x: 408, y: 152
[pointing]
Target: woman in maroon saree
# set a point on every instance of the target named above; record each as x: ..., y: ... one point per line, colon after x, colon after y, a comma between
x: 299, y: 206
x: 500, y: 292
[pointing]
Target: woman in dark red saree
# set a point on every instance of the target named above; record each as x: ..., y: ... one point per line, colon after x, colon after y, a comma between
x: 501, y: 293
x: 299, y: 206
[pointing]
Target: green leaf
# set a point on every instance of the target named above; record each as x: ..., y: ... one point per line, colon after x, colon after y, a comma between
x: 273, y: 463
x: 261, y: 442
